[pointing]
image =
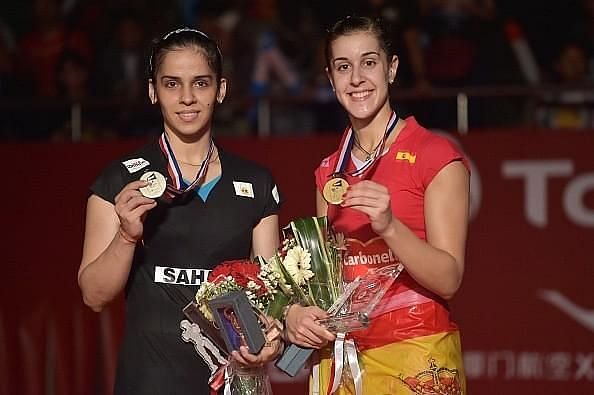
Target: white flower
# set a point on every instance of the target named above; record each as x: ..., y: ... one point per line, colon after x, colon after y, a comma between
x: 297, y: 264
x: 203, y: 307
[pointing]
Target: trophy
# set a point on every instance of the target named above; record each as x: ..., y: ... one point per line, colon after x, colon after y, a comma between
x: 237, y: 322
x: 351, y: 312
x: 207, y: 340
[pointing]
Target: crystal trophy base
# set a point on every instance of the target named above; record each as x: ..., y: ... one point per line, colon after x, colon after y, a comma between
x: 349, y: 313
x: 352, y: 310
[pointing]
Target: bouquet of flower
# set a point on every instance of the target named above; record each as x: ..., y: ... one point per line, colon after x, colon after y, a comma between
x: 306, y: 270
x: 257, y: 279
x: 261, y: 286
x: 310, y: 261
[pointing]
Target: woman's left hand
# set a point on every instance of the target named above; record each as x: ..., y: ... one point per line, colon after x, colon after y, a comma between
x: 269, y: 352
x: 372, y: 199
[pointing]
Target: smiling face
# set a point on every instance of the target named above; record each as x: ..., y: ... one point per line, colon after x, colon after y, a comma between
x: 360, y: 73
x: 186, y: 89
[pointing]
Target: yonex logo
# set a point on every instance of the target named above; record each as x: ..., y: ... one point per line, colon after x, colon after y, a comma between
x: 133, y: 165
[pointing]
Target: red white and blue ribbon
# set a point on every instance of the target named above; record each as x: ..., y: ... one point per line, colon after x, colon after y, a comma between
x: 219, y: 378
x: 347, y: 144
x: 177, y: 185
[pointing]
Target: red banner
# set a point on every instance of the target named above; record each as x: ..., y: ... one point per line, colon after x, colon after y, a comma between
x: 526, y: 314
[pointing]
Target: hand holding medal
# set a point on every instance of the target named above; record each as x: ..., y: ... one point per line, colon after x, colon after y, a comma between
x: 131, y: 207
x: 374, y: 200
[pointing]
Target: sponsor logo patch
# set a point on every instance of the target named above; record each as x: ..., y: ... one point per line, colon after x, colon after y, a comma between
x: 244, y: 189
x: 363, y: 255
x: 174, y: 275
x: 133, y: 165
x: 275, y: 194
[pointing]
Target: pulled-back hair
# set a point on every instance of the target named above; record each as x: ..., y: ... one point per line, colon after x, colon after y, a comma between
x: 357, y: 24
x: 186, y: 38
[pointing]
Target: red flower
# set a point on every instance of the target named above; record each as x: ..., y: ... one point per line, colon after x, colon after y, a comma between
x: 243, y: 271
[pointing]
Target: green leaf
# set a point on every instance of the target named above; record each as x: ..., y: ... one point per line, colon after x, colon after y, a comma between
x: 275, y: 307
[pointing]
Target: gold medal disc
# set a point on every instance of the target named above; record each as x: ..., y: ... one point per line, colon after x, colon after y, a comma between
x: 156, y: 184
x: 334, y: 189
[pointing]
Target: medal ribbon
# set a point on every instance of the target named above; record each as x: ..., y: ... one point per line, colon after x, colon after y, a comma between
x: 347, y: 143
x: 219, y: 378
x: 179, y: 187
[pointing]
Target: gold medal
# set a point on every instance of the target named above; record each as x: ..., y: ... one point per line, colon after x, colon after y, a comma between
x: 334, y: 189
x: 156, y: 184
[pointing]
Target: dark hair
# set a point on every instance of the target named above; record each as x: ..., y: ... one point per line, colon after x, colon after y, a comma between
x: 356, y: 24
x: 186, y: 38
x: 74, y: 58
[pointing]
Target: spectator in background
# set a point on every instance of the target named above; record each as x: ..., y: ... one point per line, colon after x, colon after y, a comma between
x: 217, y: 17
x: 263, y: 67
x: 121, y: 74
x: 8, y: 83
x: 73, y: 84
x: 583, y: 29
x: 40, y: 48
x: 451, y: 33
x: 269, y: 59
x: 572, y: 108
x: 121, y: 70
x: 404, y: 19
x: 72, y: 77
x: 452, y: 29
x: 188, y: 11
x: 87, y: 15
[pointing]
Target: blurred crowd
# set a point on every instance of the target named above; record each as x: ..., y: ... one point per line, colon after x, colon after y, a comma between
x: 57, y: 53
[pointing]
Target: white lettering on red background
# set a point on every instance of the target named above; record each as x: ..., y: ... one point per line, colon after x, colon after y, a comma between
x: 536, y: 175
x: 529, y: 365
x: 383, y: 258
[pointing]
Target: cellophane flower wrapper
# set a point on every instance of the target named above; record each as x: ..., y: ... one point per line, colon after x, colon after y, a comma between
x: 249, y: 380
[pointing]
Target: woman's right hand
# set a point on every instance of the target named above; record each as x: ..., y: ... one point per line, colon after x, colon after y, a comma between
x: 303, y: 329
x: 131, y: 208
